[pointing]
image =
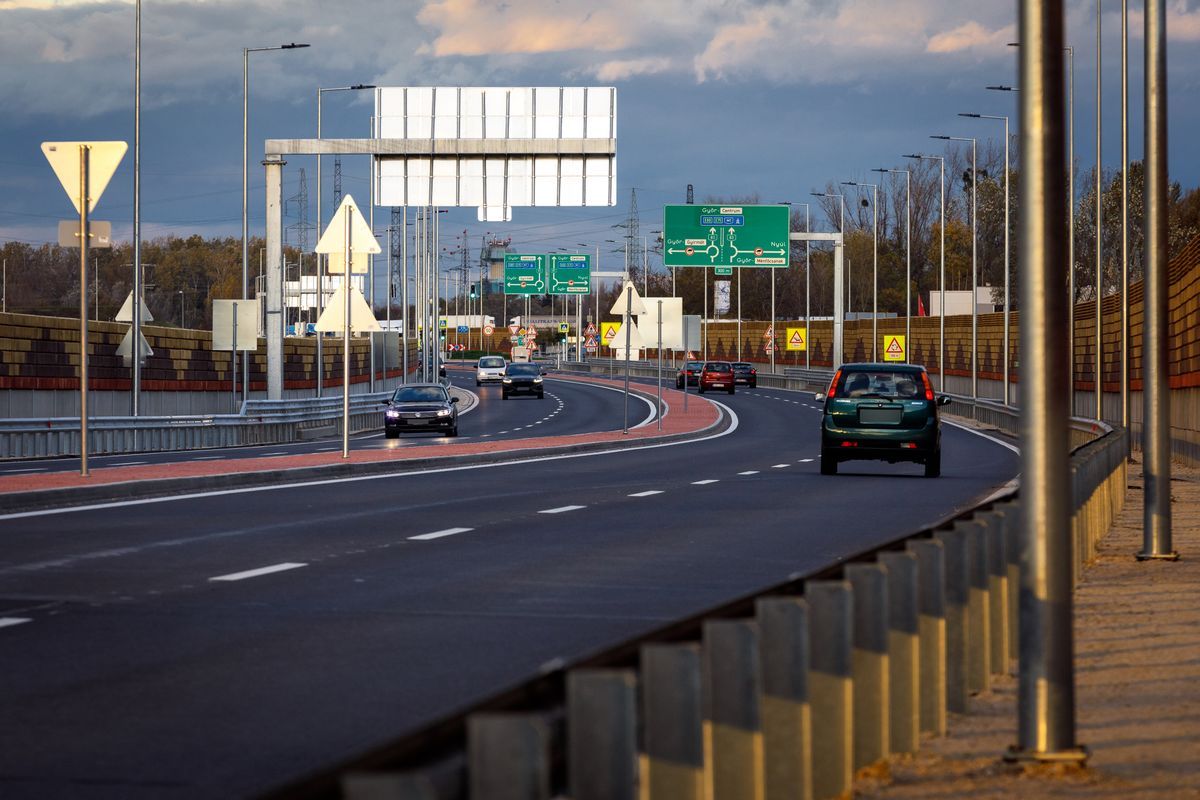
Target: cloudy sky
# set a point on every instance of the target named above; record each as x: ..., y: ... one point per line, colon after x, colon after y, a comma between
x: 741, y: 98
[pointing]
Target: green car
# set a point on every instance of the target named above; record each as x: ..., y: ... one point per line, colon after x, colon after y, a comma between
x: 881, y: 412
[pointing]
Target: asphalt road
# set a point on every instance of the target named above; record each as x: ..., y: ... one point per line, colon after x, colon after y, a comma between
x: 567, y: 408
x: 218, y: 646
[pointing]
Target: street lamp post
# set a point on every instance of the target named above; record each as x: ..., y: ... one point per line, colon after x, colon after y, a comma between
x: 1006, y: 248
x: 942, y: 272
x: 320, y: 220
x: 246, y: 51
x: 836, y: 357
x: 874, y: 262
x: 974, y: 261
x: 907, y: 254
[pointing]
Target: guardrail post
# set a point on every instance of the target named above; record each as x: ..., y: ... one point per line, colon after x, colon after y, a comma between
x: 997, y: 573
x: 954, y: 542
x: 931, y: 610
x: 978, y: 629
x: 786, y: 718
x: 733, y: 751
x: 507, y: 756
x: 672, y: 767
x: 870, y: 663
x: 904, y: 663
x: 1010, y: 516
x: 831, y: 607
x: 602, y: 734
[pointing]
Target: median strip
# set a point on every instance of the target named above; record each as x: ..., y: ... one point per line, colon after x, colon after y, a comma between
x: 254, y: 573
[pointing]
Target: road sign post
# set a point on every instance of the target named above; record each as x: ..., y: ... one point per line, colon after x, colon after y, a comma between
x: 84, y: 169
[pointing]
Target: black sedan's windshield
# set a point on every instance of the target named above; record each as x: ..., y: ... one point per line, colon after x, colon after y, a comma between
x: 524, y: 369
x: 419, y: 394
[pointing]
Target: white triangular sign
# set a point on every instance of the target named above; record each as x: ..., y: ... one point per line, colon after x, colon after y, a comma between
x: 103, y: 158
x: 634, y: 303
x: 126, y: 312
x: 333, y: 240
x: 125, y: 349
x: 361, y: 318
x: 635, y: 338
x: 359, y: 263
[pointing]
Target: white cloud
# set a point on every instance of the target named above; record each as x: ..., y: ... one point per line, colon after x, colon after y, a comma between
x: 970, y: 36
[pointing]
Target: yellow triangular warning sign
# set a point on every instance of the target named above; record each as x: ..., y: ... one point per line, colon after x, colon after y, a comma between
x: 797, y: 338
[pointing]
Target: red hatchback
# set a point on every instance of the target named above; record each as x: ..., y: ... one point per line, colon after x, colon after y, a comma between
x: 717, y: 375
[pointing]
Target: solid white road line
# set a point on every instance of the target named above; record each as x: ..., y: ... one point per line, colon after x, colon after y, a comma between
x: 254, y: 573
x: 705, y: 481
x: 439, y: 534
x: 647, y: 493
x: 129, y: 464
x: 749, y: 472
x: 7, y: 622
x: 560, y: 509
x: 208, y: 458
x: 29, y: 469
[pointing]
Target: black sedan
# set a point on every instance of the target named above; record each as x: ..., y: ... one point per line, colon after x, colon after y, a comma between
x: 420, y: 407
x: 745, y: 373
x: 522, y: 378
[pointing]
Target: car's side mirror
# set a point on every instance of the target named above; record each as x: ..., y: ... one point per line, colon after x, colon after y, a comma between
x: 384, y: 402
x: 819, y: 396
x: 453, y: 399
x: 944, y: 400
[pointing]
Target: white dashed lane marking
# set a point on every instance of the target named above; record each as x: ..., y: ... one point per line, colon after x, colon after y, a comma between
x: 705, y: 481
x: 8, y: 622
x: 805, y: 460
x: 440, y: 534
x: 560, y: 509
x: 646, y: 493
x: 749, y: 472
x: 779, y: 466
x: 254, y: 573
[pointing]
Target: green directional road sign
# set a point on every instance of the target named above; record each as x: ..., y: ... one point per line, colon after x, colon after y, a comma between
x: 726, y: 236
x: 524, y: 274
x: 570, y: 274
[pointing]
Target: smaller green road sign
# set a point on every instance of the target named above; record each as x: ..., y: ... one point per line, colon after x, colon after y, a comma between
x: 524, y: 274
x: 723, y: 271
x: 570, y: 274
x: 726, y: 236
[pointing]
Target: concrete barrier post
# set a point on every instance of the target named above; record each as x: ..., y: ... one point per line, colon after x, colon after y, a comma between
x: 931, y: 609
x: 904, y: 664
x: 869, y: 663
x: 978, y: 605
x: 786, y: 718
x: 997, y: 572
x: 954, y: 543
x: 831, y: 614
x: 507, y: 756
x: 602, y: 734
x: 733, y: 747
x: 672, y: 765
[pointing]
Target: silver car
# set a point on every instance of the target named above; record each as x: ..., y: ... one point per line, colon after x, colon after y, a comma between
x: 490, y: 369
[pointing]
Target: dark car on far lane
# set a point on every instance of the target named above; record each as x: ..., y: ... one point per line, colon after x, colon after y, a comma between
x: 882, y: 412
x: 420, y: 407
x: 716, y: 375
x: 692, y: 370
x: 522, y: 378
x: 745, y: 373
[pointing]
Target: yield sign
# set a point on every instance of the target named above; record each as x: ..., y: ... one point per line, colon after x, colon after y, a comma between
x: 126, y: 312
x: 513, y: 329
x: 636, y: 306
x: 362, y: 319
x: 125, y: 349
x: 361, y: 238
x: 103, y: 158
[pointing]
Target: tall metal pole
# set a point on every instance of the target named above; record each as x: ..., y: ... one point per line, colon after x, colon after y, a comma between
x: 135, y: 389
x: 739, y: 312
x: 807, y: 306
x: 1071, y: 222
x: 1099, y: 365
x: 1156, y: 395
x: 84, y: 200
x: 1046, y: 689
x: 347, y: 267
x: 627, y: 326
x: 875, y: 263
x: 942, y: 276
x: 320, y: 365
x: 1125, y: 215
x: 405, y: 315
x: 774, y: 338
x: 660, y: 403
x: 974, y: 275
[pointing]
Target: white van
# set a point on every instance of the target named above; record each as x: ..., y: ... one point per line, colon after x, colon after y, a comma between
x: 520, y: 355
x: 490, y: 369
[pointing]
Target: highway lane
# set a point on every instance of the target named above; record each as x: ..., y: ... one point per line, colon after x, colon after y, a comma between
x: 200, y: 688
x: 568, y: 407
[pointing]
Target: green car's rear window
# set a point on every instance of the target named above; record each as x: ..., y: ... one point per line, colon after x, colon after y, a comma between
x: 880, y: 383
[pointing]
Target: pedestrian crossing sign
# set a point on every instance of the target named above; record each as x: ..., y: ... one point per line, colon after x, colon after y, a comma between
x: 797, y: 338
x: 893, y: 348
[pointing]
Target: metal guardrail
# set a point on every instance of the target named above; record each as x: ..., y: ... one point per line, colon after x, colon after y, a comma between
x: 261, y: 422
x: 790, y: 690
